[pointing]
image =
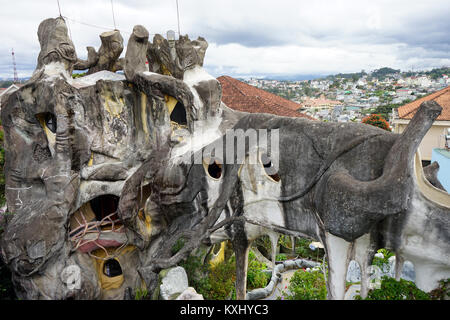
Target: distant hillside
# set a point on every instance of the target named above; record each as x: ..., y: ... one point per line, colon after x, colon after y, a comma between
x: 295, y: 77
x: 355, y: 76
x: 383, y: 72
x: 5, y: 83
x: 433, y: 74
x: 386, y: 71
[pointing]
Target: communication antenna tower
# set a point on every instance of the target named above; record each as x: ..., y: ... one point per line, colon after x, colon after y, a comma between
x: 16, y: 78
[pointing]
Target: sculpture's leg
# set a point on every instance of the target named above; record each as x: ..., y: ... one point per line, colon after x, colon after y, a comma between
x: 274, y: 241
x: 364, y: 250
x: 398, y: 266
x: 337, y: 252
x: 365, y: 278
x: 293, y: 244
x: 241, y: 248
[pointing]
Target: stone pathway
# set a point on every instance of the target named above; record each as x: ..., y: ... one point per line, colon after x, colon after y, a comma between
x: 352, y: 291
x: 281, y: 286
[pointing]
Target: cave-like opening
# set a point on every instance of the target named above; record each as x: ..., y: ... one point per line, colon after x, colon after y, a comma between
x: 178, y: 114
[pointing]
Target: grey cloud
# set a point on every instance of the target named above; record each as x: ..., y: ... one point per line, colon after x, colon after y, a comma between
x: 401, y: 31
x: 247, y: 38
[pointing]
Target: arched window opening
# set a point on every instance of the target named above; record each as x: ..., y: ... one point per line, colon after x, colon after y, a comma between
x: 408, y: 271
x: 353, y: 272
x: 144, y: 193
x: 112, y: 268
x: 47, y: 121
x: 178, y: 114
x: 215, y: 170
x: 105, y: 205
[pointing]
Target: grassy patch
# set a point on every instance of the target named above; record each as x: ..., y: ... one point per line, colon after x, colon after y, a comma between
x: 392, y: 289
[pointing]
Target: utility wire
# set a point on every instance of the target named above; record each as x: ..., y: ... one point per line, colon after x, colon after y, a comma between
x: 59, y: 8
x: 68, y: 27
x: 178, y: 19
x: 114, y: 21
x: 70, y: 31
x: 114, y: 18
x: 97, y: 26
x: 93, y: 25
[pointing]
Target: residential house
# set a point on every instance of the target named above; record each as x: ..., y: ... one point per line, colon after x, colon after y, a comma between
x: 435, y: 137
x: 320, y: 103
x: 6, y: 91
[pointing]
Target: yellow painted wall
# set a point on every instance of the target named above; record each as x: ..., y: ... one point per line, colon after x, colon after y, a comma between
x: 108, y: 283
x: 220, y: 256
x: 144, y: 112
x: 171, y: 102
x: 433, y: 139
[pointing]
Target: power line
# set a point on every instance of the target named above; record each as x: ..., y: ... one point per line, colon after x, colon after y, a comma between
x: 114, y: 18
x: 70, y: 32
x: 97, y: 26
x: 114, y: 21
x: 178, y: 19
x: 93, y: 25
x: 59, y: 8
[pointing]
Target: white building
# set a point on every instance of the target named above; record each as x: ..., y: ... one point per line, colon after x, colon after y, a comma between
x: 4, y: 92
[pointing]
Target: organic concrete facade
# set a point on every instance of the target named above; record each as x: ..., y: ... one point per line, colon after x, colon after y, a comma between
x: 103, y: 178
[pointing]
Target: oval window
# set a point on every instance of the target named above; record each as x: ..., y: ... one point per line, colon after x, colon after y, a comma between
x: 112, y: 268
x: 214, y: 169
x: 269, y: 168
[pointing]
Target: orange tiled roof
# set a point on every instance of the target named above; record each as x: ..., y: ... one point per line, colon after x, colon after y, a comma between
x: 243, y: 97
x: 442, y: 97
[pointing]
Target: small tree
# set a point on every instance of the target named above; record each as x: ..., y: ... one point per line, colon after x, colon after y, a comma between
x: 377, y: 121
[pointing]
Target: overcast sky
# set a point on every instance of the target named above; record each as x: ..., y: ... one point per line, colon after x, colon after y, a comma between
x: 273, y: 38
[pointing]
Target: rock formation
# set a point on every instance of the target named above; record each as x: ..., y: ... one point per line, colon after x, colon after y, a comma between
x: 105, y: 174
x: 107, y: 57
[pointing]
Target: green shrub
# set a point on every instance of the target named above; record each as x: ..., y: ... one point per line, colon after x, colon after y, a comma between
x: 382, y: 262
x: 218, y: 282
x: 255, y: 277
x: 281, y: 257
x: 303, y: 250
x: 442, y: 292
x: 222, y: 278
x: 213, y: 282
x: 285, y: 241
x: 392, y: 289
x: 307, y: 286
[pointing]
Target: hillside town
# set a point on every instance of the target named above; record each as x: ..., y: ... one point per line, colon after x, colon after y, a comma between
x: 350, y: 97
